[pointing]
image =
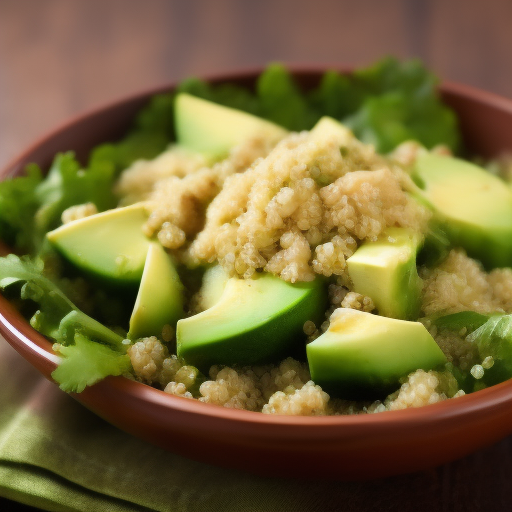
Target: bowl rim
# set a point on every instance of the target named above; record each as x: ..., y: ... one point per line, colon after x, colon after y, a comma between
x: 32, y: 345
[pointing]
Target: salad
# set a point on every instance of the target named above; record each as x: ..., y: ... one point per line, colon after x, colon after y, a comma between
x: 275, y: 250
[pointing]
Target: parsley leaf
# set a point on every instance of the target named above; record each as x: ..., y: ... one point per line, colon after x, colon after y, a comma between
x: 87, y: 362
x: 91, y: 351
x: 53, y: 304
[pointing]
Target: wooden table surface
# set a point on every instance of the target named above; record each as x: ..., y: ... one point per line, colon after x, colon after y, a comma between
x: 59, y: 57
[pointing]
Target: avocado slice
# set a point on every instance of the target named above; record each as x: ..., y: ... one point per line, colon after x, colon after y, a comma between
x: 385, y: 270
x: 327, y: 127
x: 109, y: 245
x: 474, y: 206
x: 160, y: 298
x: 213, y: 129
x: 253, y: 321
x: 212, y: 288
x: 363, y: 355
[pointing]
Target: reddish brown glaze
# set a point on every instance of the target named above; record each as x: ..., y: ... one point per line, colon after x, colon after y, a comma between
x: 352, y: 447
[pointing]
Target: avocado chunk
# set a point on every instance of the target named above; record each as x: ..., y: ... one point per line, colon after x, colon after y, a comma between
x: 160, y: 297
x: 109, y: 246
x: 327, y: 127
x: 474, y: 206
x: 363, y: 355
x: 253, y: 321
x: 212, y: 288
x: 385, y: 270
x: 213, y: 129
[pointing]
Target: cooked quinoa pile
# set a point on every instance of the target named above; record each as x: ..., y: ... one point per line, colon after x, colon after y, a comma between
x: 297, y: 209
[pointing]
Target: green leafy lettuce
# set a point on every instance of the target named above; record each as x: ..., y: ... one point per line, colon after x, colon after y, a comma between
x: 492, y: 337
x: 463, y: 320
x: 67, y: 184
x: 398, y: 101
x: 282, y: 102
x: 18, y: 205
x: 31, y: 206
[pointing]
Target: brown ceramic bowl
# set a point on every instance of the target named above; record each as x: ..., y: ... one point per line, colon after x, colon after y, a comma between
x: 353, y: 447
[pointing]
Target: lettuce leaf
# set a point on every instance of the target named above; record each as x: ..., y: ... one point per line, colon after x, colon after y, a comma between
x: 18, y: 205
x: 494, y: 338
x: 282, y: 102
x: 464, y: 319
x: 389, y: 74
x: 31, y: 206
x: 56, y: 317
x: 388, y: 120
x: 398, y: 101
x: 336, y: 96
x: 67, y: 184
x: 491, y: 334
x: 87, y: 362
x: 152, y: 132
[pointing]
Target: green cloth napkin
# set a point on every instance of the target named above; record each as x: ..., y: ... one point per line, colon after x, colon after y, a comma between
x: 56, y: 455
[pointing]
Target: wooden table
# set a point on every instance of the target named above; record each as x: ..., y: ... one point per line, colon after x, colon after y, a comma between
x: 59, y: 57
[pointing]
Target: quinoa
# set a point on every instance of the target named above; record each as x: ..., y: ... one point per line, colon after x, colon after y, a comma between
x: 177, y: 198
x: 423, y: 388
x: 456, y: 348
x: 460, y: 284
x: 139, y: 180
x: 153, y: 365
x: 280, y: 217
x: 309, y: 400
x: 79, y: 211
x: 357, y: 301
x: 232, y: 389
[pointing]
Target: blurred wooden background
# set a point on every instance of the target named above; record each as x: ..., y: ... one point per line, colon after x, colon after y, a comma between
x: 59, y: 57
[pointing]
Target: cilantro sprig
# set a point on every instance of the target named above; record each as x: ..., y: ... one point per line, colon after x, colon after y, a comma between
x: 90, y: 350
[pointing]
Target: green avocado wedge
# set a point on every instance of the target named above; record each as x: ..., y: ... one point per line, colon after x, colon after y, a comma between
x: 109, y: 246
x: 212, y: 287
x: 213, y: 129
x: 363, y: 355
x: 160, y: 297
x: 385, y: 270
x: 254, y: 321
x: 474, y: 206
x: 328, y: 128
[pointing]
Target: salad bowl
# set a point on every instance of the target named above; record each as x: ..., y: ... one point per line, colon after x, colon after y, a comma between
x: 332, y: 447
